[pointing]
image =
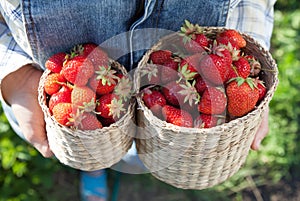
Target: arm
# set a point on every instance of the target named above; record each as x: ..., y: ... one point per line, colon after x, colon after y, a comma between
x: 20, y: 90
x: 19, y: 81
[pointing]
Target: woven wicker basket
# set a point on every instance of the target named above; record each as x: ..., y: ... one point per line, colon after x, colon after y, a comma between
x: 192, y: 158
x: 89, y: 150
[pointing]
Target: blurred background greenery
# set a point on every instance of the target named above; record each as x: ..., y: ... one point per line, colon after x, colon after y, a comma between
x: 269, y: 174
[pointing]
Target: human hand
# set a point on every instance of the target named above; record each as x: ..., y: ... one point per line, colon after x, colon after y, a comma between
x: 262, y: 131
x: 20, y: 90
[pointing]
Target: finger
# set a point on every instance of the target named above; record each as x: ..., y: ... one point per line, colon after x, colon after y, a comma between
x: 43, y: 148
x: 33, y: 129
x: 262, y: 131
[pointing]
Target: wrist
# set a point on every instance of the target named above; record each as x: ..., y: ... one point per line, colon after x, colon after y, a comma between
x: 20, y: 83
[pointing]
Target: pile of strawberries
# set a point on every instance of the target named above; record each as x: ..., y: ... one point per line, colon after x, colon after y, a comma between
x: 84, y: 89
x: 205, y: 81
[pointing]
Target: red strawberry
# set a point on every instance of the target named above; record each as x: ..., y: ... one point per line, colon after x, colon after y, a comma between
x: 83, y: 96
x: 213, y: 101
x: 78, y: 70
x: 240, y: 68
x: 87, y: 121
x: 223, y: 52
x: 99, y: 87
x: 242, y: 96
x: 205, y: 121
x: 123, y: 89
x: 194, y: 39
x: 160, y: 56
x: 168, y: 71
x: 214, y: 69
x: 154, y: 100
x: 171, y: 92
x: 63, y: 112
x: 62, y: 96
x: 53, y: 83
x: 196, y: 43
x: 109, y: 106
x: 233, y: 36
x: 227, y: 42
x: 177, y: 116
x: 189, y: 65
x: 180, y: 93
x: 95, y: 53
x: 243, y: 67
x: 232, y: 73
x: 262, y: 90
x: 55, y: 62
x: 150, y: 74
x: 200, y: 85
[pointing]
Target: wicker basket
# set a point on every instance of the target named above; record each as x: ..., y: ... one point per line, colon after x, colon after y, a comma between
x: 192, y: 158
x: 89, y: 150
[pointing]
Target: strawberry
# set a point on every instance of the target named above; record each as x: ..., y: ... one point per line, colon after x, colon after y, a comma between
x: 262, y: 90
x: 83, y: 96
x: 177, y: 116
x: 240, y: 68
x: 200, y: 85
x: 160, y: 56
x: 232, y: 36
x: 150, y: 74
x: 205, y: 121
x: 223, y: 52
x: 242, y: 96
x: 55, y: 62
x: 227, y: 42
x: 171, y: 92
x: 95, y: 53
x: 78, y: 70
x: 87, y: 121
x: 194, y: 40
x: 53, y: 83
x: 123, y: 89
x: 63, y: 112
x: 214, y: 69
x: 168, y: 71
x: 189, y: 65
x: 62, y: 96
x: 180, y: 93
x: 213, y: 101
x: 98, y: 86
x: 243, y: 67
x: 110, y: 106
x: 154, y: 100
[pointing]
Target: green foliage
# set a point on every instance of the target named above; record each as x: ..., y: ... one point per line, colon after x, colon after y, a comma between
x: 24, y: 173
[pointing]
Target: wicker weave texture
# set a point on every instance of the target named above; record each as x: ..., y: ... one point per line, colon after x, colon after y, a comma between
x: 192, y: 158
x: 89, y: 150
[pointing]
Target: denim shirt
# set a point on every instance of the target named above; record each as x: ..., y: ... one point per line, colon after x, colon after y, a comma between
x: 58, y: 25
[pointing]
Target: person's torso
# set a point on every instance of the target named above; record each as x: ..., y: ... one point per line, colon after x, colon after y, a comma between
x: 58, y: 25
